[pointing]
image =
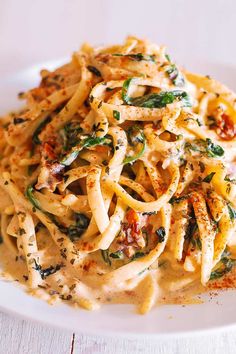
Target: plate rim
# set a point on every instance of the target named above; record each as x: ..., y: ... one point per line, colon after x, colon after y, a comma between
x: 100, y: 332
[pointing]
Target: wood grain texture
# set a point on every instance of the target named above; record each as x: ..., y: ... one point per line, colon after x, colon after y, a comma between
x: 214, y: 344
x: 19, y: 336
x: 25, y: 337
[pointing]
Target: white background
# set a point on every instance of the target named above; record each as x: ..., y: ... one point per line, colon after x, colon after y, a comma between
x: 33, y: 31
x: 38, y: 30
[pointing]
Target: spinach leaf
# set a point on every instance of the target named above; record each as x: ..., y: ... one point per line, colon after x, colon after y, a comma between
x: 70, y: 134
x: 105, y: 256
x: 137, y: 57
x: 160, y: 100
x: 82, y: 223
x: 192, y: 228
x: 213, y: 150
x: 167, y: 57
x: 137, y: 255
x: 154, y: 100
x: 82, y: 220
x: 94, y: 70
x: 125, y: 88
x: 232, y: 212
x: 161, y: 233
x: 196, y: 242
x: 231, y: 180
x: 175, y: 75
x: 38, y: 130
x: 224, y: 266
x: 44, y: 273
x: 86, y: 143
x: 73, y: 231
x: 31, y: 169
x: 117, y: 255
x: 199, y: 243
x: 205, y: 147
x: 135, y: 137
x: 29, y: 194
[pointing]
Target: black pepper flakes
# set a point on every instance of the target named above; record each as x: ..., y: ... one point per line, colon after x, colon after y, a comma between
x: 21, y: 231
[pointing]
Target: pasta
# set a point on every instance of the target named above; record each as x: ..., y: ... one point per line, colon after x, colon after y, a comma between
x: 117, y: 180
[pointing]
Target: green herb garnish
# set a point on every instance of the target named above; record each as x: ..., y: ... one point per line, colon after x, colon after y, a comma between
x: 232, y: 212
x: 117, y: 255
x: 109, y: 89
x: 39, y: 226
x: 73, y: 231
x: 137, y: 57
x: 213, y: 150
x: 94, y: 70
x: 209, y: 177
x: 175, y: 75
x: 82, y: 220
x: 196, y: 242
x: 31, y: 169
x: 105, y: 256
x: 70, y: 134
x: 202, y: 166
x: 162, y: 263
x: 231, y: 180
x: 18, y: 120
x: 167, y: 57
x: 205, y: 147
x: 38, y: 130
x: 161, y: 233
x: 191, y: 229
x: 135, y: 137
x: 44, y: 273
x: 125, y: 88
x: 224, y: 266
x: 160, y: 100
x: 29, y: 194
x: 154, y: 100
x: 176, y: 200
x: 86, y: 143
x: 116, y: 115
x: 137, y: 255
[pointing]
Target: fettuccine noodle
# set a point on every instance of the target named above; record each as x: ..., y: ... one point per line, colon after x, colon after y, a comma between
x: 117, y: 180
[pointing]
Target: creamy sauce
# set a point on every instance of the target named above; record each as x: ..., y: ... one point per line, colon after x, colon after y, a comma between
x: 14, y: 269
x: 118, y: 189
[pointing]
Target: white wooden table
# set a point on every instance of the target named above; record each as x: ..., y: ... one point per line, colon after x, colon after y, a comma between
x: 208, y: 35
x: 19, y: 336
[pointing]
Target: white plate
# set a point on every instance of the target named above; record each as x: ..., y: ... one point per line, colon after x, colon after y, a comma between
x: 215, y: 313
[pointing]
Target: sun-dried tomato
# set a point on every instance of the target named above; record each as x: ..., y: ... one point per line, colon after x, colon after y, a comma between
x: 226, y: 128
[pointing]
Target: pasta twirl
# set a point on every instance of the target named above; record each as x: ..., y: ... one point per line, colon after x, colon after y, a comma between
x: 117, y: 180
